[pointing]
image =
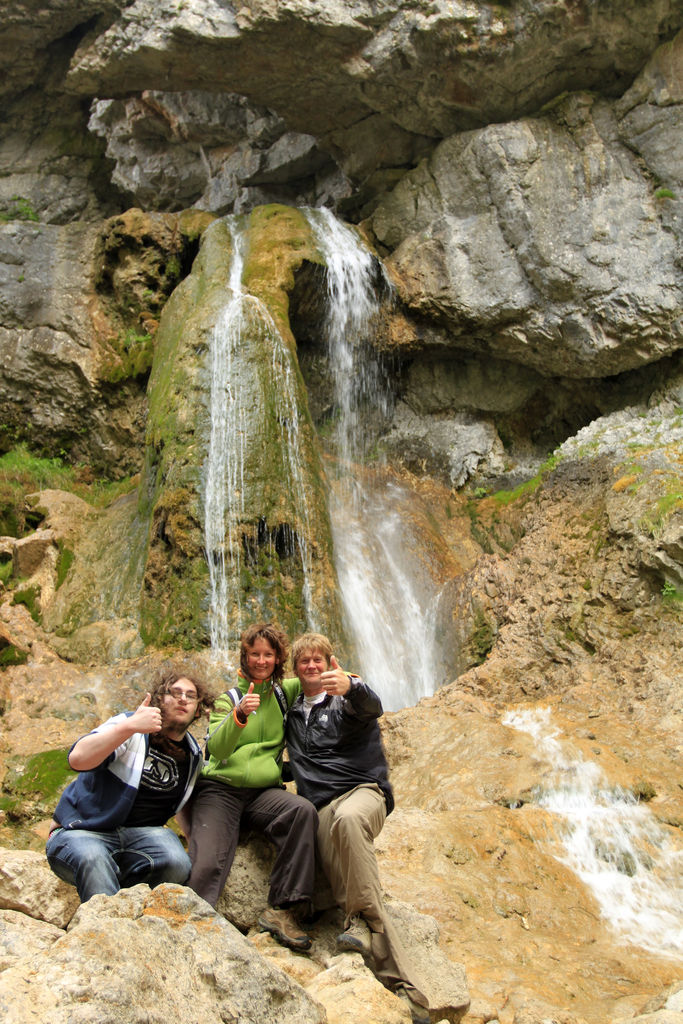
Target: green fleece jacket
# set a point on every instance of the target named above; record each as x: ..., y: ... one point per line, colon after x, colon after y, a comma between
x: 250, y: 755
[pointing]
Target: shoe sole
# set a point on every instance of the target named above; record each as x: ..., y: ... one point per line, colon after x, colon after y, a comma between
x: 349, y: 946
x: 283, y: 939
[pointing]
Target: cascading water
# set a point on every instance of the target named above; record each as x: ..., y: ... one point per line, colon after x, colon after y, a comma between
x: 388, y: 604
x: 233, y: 394
x: 611, y: 842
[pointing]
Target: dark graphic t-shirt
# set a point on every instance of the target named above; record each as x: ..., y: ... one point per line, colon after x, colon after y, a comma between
x: 161, y: 789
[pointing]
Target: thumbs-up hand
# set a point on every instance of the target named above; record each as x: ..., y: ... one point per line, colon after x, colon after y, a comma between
x: 146, y: 718
x: 335, y: 681
x: 250, y: 702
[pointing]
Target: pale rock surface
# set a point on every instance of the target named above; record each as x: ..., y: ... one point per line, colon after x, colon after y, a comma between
x: 22, y: 936
x: 650, y: 117
x: 162, y: 952
x: 430, y: 70
x: 28, y: 886
x: 452, y: 448
x: 203, y: 149
x: 443, y: 981
x: 348, y: 990
x: 29, y: 553
x: 63, y: 512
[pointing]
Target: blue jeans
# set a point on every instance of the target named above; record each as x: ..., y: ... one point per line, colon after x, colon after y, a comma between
x: 104, y: 862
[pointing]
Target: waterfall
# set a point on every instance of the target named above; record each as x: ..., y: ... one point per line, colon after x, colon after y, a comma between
x: 612, y: 842
x: 389, y: 604
x: 237, y: 382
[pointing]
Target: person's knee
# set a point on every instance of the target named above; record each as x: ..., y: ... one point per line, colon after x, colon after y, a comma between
x: 307, y: 814
x: 177, y: 870
x: 173, y: 863
x: 348, y: 823
x: 76, y: 853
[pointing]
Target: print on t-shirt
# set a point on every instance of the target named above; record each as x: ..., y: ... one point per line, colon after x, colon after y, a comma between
x: 160, y: 771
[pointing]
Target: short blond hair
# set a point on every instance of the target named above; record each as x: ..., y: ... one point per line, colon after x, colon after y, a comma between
x: 311, y: 642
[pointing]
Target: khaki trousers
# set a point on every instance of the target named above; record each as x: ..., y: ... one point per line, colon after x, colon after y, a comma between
x: 347, y: 828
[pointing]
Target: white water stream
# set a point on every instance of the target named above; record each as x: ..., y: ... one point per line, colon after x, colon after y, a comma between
x: 235, y: 387
x: 388, y: 603
x: 612, y: 842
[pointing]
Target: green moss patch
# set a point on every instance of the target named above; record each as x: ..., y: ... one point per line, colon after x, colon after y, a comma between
x: 29, y: 597
x: 31, y: 787
x: 23, y: 472
x: 18, y: 208
x: 142, y: 257
x: 11, y: 655
x: 64, y: 562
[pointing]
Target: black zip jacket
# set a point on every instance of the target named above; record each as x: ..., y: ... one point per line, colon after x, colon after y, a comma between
x: 340, y: 746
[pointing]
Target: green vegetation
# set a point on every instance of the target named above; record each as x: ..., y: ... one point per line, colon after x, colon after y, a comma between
x: 64, y: 561
x: 672, y: 595
x: 11, y: 655
x: 529, y: 487
x: 664, y: 193
x: 481, y: 638
x: 5, y: 570
x: 29, y: 597
x: 19, y: 208
x: 643, y: 791
x: 130, y: 356
x: 22, y: 473
x: 33, y: 787
x: 668, y: 502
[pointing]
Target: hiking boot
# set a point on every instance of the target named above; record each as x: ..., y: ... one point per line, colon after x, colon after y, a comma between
x: 283, y: 926
x: 419, y: 1014
x: 356, y: 938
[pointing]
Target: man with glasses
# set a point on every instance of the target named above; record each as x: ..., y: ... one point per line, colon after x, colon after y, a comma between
x: 136, y: 770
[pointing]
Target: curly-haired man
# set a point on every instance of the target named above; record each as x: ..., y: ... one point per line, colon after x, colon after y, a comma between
x: 135, y: 771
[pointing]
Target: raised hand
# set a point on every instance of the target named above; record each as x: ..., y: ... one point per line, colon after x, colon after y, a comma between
x: 146, y: 718
x: 335, y: 681
x: 250, y: 702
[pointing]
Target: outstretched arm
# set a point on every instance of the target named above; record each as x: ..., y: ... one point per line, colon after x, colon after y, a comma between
x: 91, y: 750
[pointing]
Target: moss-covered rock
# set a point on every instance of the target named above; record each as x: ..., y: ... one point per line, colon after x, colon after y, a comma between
x: 31, y: 787
x: 278, y: 546
x: 141, y: 257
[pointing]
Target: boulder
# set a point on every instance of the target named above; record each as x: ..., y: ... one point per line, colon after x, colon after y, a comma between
x: 28, y: 886
x: 22, y: 936
x: 349, y: 991
x: 164, y: 952
x: 540, y: 241
x: 30, y: 552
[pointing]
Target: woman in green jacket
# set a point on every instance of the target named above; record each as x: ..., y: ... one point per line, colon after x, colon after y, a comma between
x: 242, y: 786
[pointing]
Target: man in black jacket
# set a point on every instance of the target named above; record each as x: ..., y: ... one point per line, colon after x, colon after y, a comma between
x: 337, y: 760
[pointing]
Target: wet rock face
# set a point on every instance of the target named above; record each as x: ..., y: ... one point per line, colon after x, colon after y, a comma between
x: 79, y: 308
x: 51, y: 388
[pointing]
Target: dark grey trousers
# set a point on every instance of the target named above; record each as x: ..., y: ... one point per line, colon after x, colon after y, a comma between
x: 290, y: 822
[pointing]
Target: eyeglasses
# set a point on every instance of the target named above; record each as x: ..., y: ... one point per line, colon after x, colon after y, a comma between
x: 179, y: 694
